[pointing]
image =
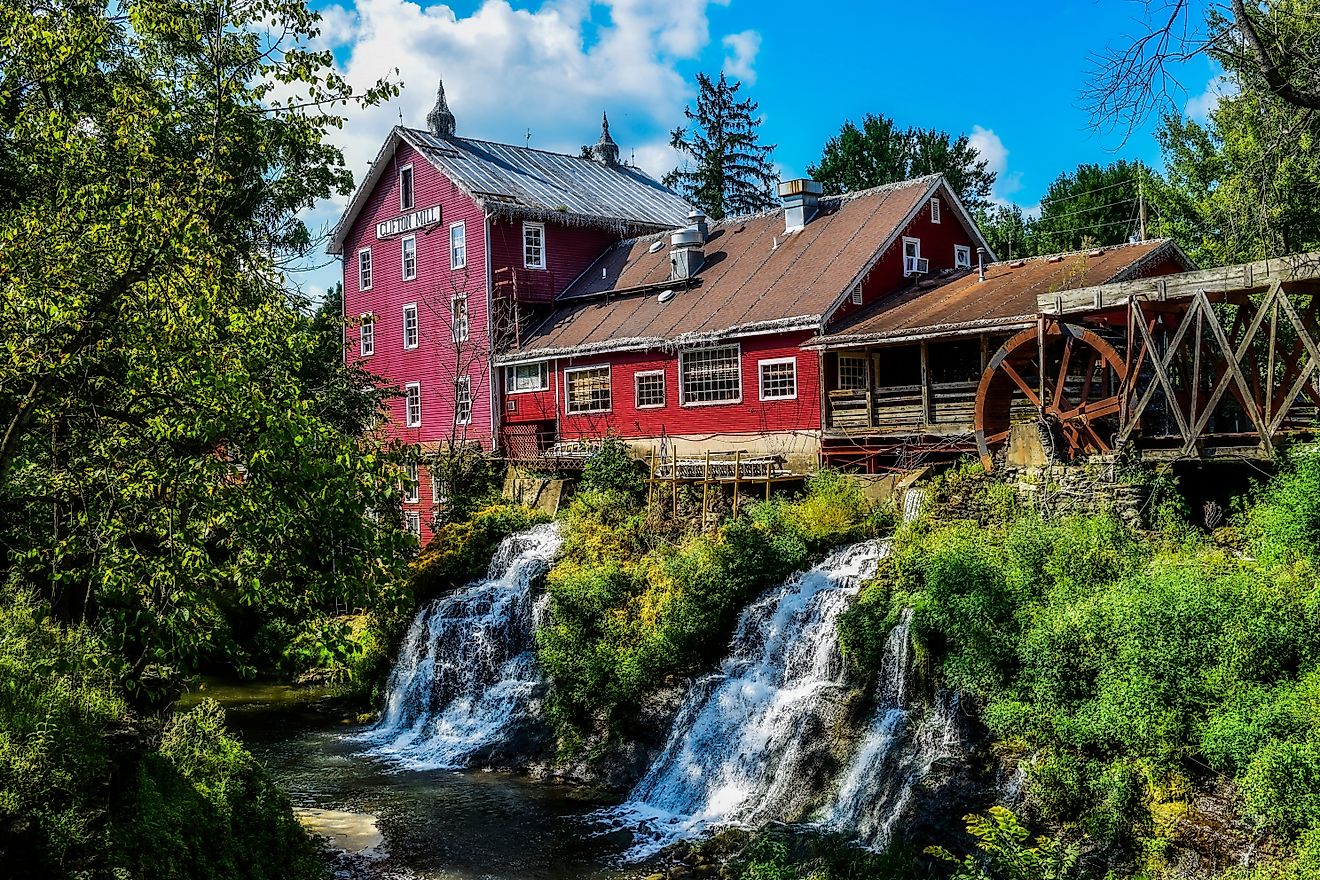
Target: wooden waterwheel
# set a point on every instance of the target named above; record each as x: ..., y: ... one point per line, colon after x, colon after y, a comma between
x: 1080, y: 401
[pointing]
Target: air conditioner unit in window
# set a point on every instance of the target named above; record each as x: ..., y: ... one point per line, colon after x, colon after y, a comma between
x: 916, y: 265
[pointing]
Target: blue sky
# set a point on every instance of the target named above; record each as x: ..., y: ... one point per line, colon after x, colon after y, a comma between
x: 1011, y: 75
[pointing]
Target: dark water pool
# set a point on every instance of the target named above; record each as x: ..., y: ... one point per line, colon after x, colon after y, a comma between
x: 434, y: 824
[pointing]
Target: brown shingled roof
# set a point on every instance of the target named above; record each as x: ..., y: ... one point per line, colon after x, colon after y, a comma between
x: 753, y: 278
x: 1006, y: 299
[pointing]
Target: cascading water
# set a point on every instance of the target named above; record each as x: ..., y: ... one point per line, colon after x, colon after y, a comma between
x: 899, y: 747
x: 466, y: 679
x: 739, y: 750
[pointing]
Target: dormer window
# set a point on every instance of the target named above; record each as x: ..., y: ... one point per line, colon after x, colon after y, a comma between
x: 406, y: 188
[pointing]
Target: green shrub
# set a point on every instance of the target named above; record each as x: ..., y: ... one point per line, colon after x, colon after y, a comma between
x: 85, y: 793
x: 614, y: 469
x: 1283, y: 523
x: 628, y: 612
x: 1004, y: 852
x: 1281, y: 786
x: 204, y: 808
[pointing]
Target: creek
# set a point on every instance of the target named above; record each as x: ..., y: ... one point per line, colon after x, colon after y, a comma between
x: 775, y: 733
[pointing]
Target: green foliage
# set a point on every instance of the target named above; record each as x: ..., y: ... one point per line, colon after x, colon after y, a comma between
x: 614, y: 469
x: 1283, y: 525
x: 879, y: 152
x: 180, y: 448
x: 731, y: 173
x: 1006, y: 854
x: 205, y: 808
x: 1121, y: 664
x: 1092, y: 206
x: 468, y: 479
x: 628, y: 611
x: 84, y: 792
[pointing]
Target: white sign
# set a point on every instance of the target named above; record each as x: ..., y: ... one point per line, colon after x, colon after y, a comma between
x: 408, y: 222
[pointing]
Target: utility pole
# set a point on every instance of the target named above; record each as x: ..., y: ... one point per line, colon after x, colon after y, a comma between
x: 1141, y: 199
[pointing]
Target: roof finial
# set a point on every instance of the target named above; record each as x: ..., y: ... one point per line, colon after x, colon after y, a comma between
x: 606, y: 150
x: 440, y: 120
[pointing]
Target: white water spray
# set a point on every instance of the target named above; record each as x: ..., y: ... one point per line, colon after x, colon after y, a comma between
x: 466, y: 678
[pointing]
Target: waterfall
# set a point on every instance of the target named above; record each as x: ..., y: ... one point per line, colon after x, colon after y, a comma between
x: 466, y: 679
x: 741, y: 749
x: 895, y: 754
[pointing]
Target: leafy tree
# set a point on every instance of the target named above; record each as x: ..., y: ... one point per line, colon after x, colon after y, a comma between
x: 1244, y: 186
x: 880, y: 153
x: 168, y: 454
x: 1272, y: 50
x: 731, y: 172
x: 1008, y: 231
x: 1093, y: 205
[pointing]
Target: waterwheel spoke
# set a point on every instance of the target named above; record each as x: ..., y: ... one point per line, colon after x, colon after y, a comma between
x: 1021, y: 383
x: 1063, y: 369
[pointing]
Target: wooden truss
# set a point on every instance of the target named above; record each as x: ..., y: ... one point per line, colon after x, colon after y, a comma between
x: 1262, y: 360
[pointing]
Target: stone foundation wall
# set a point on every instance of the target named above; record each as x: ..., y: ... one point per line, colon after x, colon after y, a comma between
x: 1095, y: 486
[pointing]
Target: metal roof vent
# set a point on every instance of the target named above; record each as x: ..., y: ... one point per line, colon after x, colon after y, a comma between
x: 685, y: 253
x: 696, y: 217
x: 655, y: 246
x: 665, y: 296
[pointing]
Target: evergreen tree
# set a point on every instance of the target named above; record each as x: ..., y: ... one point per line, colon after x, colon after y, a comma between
x: 879, y: 152
x: 731, y: 172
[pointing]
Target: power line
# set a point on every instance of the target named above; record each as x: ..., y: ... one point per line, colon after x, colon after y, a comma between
x: 1128, y: 182
x: 1090, y: 210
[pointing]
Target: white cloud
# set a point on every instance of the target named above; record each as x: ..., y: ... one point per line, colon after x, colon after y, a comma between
x: 991, y: 148
x: 742, y: 49
x: 550, y: 70
x: 1201, y: 106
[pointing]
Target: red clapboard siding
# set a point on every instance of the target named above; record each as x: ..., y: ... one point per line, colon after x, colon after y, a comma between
x: 436, y: 361
x: 937, y: 242
x: 626, y: 420
x: 568, y: 249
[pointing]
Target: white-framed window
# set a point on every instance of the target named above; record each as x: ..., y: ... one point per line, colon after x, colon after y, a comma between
x: 710, y: 375
x: 367, y: 335
x: 412, y: 522
x: 364, y: 269
x: 962, y: 256
x: 534, y: 245
x: 458, y: 317
x: 463, y: 400
x: 410, y: 325
x: 409, y: 257
x: 852, y: 372
x: 911, y: 255
x: 934, y: 210
x: 778, y: 378
x: 650, y: 387
x: 437, y: 496
x: 410, y: 483
x: 406, y: 188
x: 458, y: 245
x: 527, y: 377
x: 587, y: 389
x: 856, y: 295
x: 412, y: 401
